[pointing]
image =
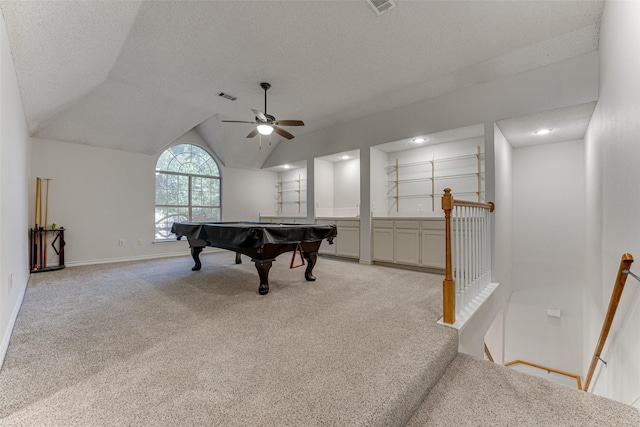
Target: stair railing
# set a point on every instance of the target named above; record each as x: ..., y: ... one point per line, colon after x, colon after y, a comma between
x: 468, y: 247
x: 616, y: 294
x: 549, y: 370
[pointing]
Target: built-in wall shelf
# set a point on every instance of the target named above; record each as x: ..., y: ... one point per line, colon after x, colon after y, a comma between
x: 291, y: 192
x: 465, y: 172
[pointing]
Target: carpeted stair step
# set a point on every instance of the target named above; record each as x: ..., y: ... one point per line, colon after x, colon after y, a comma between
x: 475, y: 392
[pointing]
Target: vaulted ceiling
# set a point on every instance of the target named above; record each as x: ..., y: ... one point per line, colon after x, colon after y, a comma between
x: 136, y: 75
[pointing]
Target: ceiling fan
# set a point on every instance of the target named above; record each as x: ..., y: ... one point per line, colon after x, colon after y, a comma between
x: 266, y: 123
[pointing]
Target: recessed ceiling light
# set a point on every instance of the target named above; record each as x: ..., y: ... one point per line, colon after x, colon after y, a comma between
x: 345, y: 157
x: 419, y: 140
x: 286, y: 166
x: 542, y: 131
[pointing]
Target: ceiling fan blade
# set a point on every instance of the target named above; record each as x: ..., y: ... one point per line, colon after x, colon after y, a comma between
x: 236, y: 121
x: 260, y: 115
x: 289, y: 122
x: 252, y: 133
x: 282, y: 132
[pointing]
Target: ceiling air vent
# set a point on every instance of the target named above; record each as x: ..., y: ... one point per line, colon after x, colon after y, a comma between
x: 227, y: 96
x: 382, y: 6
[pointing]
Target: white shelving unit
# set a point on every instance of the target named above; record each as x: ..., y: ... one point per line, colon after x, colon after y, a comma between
x: 426, y: 179
x: 291, y: 192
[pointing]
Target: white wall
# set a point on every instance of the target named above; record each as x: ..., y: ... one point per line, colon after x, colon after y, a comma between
x: 101, y: 196
x: 613, y: 152
x: 346, y: 184
x: 548, y: 256
x: 324, y: 187
x: 566, y: 83
x: 14, y: 190
x: 462, y: 188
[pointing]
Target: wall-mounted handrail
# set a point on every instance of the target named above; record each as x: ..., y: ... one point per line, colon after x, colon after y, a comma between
x: 544, y: 368
x: 623, y: 272
x: 473, y: 263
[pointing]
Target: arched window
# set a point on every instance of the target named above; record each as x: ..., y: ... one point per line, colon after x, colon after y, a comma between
x: 188, y: 186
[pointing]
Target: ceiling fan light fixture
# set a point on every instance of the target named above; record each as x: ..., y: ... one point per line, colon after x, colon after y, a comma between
x: 265, y: 129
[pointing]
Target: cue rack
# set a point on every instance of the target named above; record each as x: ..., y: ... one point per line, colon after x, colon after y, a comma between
x: 39, y: 236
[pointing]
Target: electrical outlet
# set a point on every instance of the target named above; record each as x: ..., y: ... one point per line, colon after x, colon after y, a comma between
x: 121, y: 242
x: 139, y: 242
x: 420, y: 207
x: 10, y: 282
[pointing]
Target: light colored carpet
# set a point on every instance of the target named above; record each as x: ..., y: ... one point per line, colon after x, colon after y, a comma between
x: 153, y: 343
x: 475, y: 392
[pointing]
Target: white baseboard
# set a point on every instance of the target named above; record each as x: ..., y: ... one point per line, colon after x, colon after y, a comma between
x: 12, y: 321
x: 133, y: 258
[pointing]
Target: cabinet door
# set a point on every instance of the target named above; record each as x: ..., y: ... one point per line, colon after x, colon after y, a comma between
x: 433, y: 247
x: 383, y: 244
x: 348, y: 242
x: 407, y: 246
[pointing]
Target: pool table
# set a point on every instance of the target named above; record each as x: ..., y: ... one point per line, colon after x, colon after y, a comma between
x: 261, y: 241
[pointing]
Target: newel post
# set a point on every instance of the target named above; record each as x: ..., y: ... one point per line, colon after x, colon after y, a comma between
x: 448, y: 285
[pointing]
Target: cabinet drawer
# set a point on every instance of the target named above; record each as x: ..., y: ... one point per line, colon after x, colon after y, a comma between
x: 382, y: 223
x: 348, y: 223
x: 414, y: 225
x: 434, y: 224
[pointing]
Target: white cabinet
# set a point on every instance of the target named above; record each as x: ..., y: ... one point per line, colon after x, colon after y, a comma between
x: 433, y: 244
x: 383, y: 241
x: 409, y: 242
x: 407, y: 246
x: 348, y: 239
x: 347, y: 243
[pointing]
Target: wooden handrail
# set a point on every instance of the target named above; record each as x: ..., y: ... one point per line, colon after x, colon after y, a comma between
x: 448, y: 284
x: 616, y: 294
x: 544, y: 368
x: 489, y: 205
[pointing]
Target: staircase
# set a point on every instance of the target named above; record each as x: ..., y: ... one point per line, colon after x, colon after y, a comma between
x: 473, y: 392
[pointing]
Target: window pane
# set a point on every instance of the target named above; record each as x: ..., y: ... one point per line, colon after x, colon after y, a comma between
x: 205, y: 192
x: 188, y: 159
x: 162, y: 195
x: 181, y: 195
x: 165, y: 217
x: 205, y: 214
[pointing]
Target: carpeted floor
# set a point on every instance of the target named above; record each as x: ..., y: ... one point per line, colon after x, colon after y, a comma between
x: 153, y: 343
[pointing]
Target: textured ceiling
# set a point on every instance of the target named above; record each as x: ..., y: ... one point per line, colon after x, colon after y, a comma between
x: 136, y: 75
x: 565, y: 124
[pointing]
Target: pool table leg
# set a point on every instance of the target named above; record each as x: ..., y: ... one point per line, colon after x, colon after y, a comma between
x: 263, y: 267
x: 311, y: 258
x: 195, y: 254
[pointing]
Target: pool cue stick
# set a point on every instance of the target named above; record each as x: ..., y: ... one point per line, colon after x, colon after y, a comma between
x: 40, y: 224
x: 46, y: 221
x: 35, y: 220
